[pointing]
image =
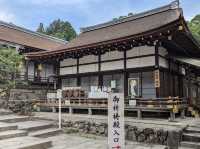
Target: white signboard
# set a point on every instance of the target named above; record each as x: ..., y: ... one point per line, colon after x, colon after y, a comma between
x: 132, y: 102
x: 59, y: 96
x: 59, y: 93
x: 116, y: 138
x: 113, y: 84
x: 51, y: 96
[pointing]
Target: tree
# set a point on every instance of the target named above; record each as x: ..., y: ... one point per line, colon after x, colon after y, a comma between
x: 59, y: 29
x: 10, y: 65
x: 41, y: 28
x: 194, y: 26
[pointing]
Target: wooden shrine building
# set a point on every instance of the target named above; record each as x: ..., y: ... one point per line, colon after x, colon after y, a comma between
x: 150, y: 55
x: 25, y: 41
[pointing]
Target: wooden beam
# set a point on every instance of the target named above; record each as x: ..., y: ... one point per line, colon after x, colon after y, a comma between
x: 157, y: 66
x: 125, y: 75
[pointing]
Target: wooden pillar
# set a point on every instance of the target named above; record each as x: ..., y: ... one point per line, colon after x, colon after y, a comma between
x: 57, y: 72
x: 169, y: 88
x: 26, y: 72
x: 183, y: 113
x: 141, y: 80
x: 70, y: 110
x: 139, y: 114
x: 125, y: 75
x: 89, y: 111
x: 78, y: 83
x: 172, y: 116
x: 157, y: 67
x: 100, y: 76
x: 77, y: 67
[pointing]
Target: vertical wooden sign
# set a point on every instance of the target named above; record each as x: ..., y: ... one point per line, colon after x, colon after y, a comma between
x: 157, y: 78
x: 116, y: 137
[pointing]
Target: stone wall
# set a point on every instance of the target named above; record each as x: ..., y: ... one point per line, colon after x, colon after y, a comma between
x: 25, y: 94
x: 134, y: 132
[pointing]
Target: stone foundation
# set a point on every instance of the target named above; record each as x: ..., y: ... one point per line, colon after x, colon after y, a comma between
x: 23, y: 94
x: 139, y: 132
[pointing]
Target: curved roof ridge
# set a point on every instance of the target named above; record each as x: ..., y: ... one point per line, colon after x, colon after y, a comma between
x: 172, y: 5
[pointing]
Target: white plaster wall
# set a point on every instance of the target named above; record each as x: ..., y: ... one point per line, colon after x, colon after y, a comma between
x: 142, y: 50
x: 88, y: 59
x: 68, y: 70
x: 112, y: 55
x: 88, y: 68
x: 31, y: 69
x: 163, y: 62
x: 23, y: 70
x: 68, y: 62
x: 112, y: 65
x: 141, y: 62
x: 163, y: 51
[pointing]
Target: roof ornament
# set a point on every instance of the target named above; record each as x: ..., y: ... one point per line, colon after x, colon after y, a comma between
x: 175, y: 4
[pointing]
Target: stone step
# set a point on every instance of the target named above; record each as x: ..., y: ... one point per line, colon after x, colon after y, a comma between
x: 13, y: 118
x: 193, y: 145
x: 25, y: 143
x: 12, y: 134
x: 46, y: 132
x: 34, y: 125
x: 6, y: 127
x: 192, y: 130
x: 5, y: 112
x: 191, y: 137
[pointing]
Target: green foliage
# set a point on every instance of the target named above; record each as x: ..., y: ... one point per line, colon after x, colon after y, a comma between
x: 194, y: 26
x: 59, y: 29
x: 41, y: 28
x: 10, y: 65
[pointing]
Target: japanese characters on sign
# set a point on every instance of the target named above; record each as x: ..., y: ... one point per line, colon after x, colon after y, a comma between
x: 116, y: 138
x: 157, y: 78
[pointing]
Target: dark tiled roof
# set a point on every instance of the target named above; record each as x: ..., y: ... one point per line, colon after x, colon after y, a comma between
x: 124, y: 29
x: 121, y: 29
x: 18, y: 35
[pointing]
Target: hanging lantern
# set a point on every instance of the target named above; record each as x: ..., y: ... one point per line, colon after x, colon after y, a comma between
x: 180, y: 28
x: 40, y: 67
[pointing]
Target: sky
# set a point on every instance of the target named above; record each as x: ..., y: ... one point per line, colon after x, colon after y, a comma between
x: 81, y: 13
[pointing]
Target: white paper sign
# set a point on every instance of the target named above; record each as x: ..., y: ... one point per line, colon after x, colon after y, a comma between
x: 116, y: 138
x: 59, y: 93
x: 113, y: 84
x: 132, y: 103
x: 51, y: 95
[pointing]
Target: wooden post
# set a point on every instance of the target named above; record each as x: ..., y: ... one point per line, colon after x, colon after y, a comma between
x: 172, y: 116
x: 183, y: 113
x: 26, y: 67
x: 70, y: 110
x: 125, y: 76
x: 139, y: 114
x: 89, y: 111
x: 54, y: 109
x: 157, y: 67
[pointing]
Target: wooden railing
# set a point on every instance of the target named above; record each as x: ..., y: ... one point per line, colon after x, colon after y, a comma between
x: 32, y: 78
x: 165, y: 103
x: 169, y: 102
x: 75, y: 102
